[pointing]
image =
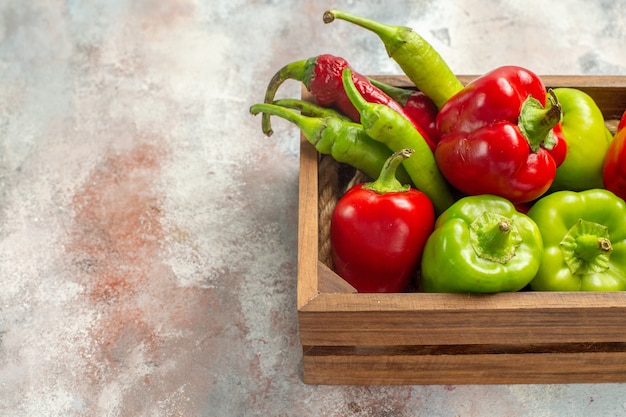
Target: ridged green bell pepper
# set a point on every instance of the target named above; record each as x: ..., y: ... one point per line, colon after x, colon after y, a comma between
x: 584, y: 239
x: 587, y: 141
x: 481, y: 244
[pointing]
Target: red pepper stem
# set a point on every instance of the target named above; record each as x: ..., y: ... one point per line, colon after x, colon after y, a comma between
x: 387, y: 181
x: 297, y: 70
x: 401, y: 95
x: 536, y: 121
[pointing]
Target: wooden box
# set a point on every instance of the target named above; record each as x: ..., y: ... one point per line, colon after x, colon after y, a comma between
x: 418, y: 338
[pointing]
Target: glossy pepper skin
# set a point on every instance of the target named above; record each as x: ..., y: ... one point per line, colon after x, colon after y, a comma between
x: 481, y: 244
x: 584, y: 239
x: 321, y: 75
x: 587, y: 141
x: 614, y: 168
x: 378, y: 231
x: 497, y: 137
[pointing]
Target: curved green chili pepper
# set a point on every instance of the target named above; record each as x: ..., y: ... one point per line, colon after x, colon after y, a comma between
x: 421, y: 63
x: 346, y: 142
x: 389, y: 127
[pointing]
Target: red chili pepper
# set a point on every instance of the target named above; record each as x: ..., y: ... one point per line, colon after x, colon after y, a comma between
x: 321, y: 75
x: 496, y: 136
x: 614, y: 170
x: 378, y: 231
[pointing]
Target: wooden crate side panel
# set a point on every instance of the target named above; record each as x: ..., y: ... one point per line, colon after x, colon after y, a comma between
x: 307, y: 225
x: 440, y: 319
x: 423, y: 302
x: 456, y: 327
x: 539, y: 368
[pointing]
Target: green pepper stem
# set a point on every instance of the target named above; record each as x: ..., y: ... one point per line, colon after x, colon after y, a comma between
x: 297, y: 70
x: 389, y: 35
x: 308, y: 108
x: 311, y: 127
x: 536, y: 121
x: 494, y: 238
x: 421, y: 63
x: 588, y: 247
x: 387, y: 181
x: 496, y: 235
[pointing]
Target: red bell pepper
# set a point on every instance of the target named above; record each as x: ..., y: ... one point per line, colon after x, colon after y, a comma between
x: 499, y: 137
x: 378, y: 231
x: 614, y: 169
x: 321, y: 75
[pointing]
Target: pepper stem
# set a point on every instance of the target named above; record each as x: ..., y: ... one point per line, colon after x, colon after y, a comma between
x: 399, y: 94
x: 308, y: 108
x: 387, y: 181
x: 297, y: 70
x: 389, y: 35
x: 311, y: 127
x: 494, y: 238
x: 586, y: 247
x: 536, y: 121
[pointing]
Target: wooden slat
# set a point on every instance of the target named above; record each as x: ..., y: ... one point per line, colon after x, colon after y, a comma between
x: 329, y: 282
x: 307, y: 225
x: 452, y: 327
x: 528, y: 368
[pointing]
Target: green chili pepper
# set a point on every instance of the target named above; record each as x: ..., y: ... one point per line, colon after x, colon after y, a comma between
x: 389, y: 127
x: 346, y: 142
x: 481, y: 244
x: 421, y: 63
x: 584, y: 239
x: 587, y: 142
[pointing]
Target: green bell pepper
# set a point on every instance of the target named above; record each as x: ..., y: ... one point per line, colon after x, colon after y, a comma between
x: 584, y: 239
x: 587, y: 141
x: 481, y: 244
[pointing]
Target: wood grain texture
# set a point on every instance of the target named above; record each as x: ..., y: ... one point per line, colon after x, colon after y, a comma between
x: 418, y: 338
x: 527, y: 368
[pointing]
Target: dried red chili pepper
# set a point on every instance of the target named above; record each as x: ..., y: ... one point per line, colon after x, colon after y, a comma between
x: 321, y: 75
